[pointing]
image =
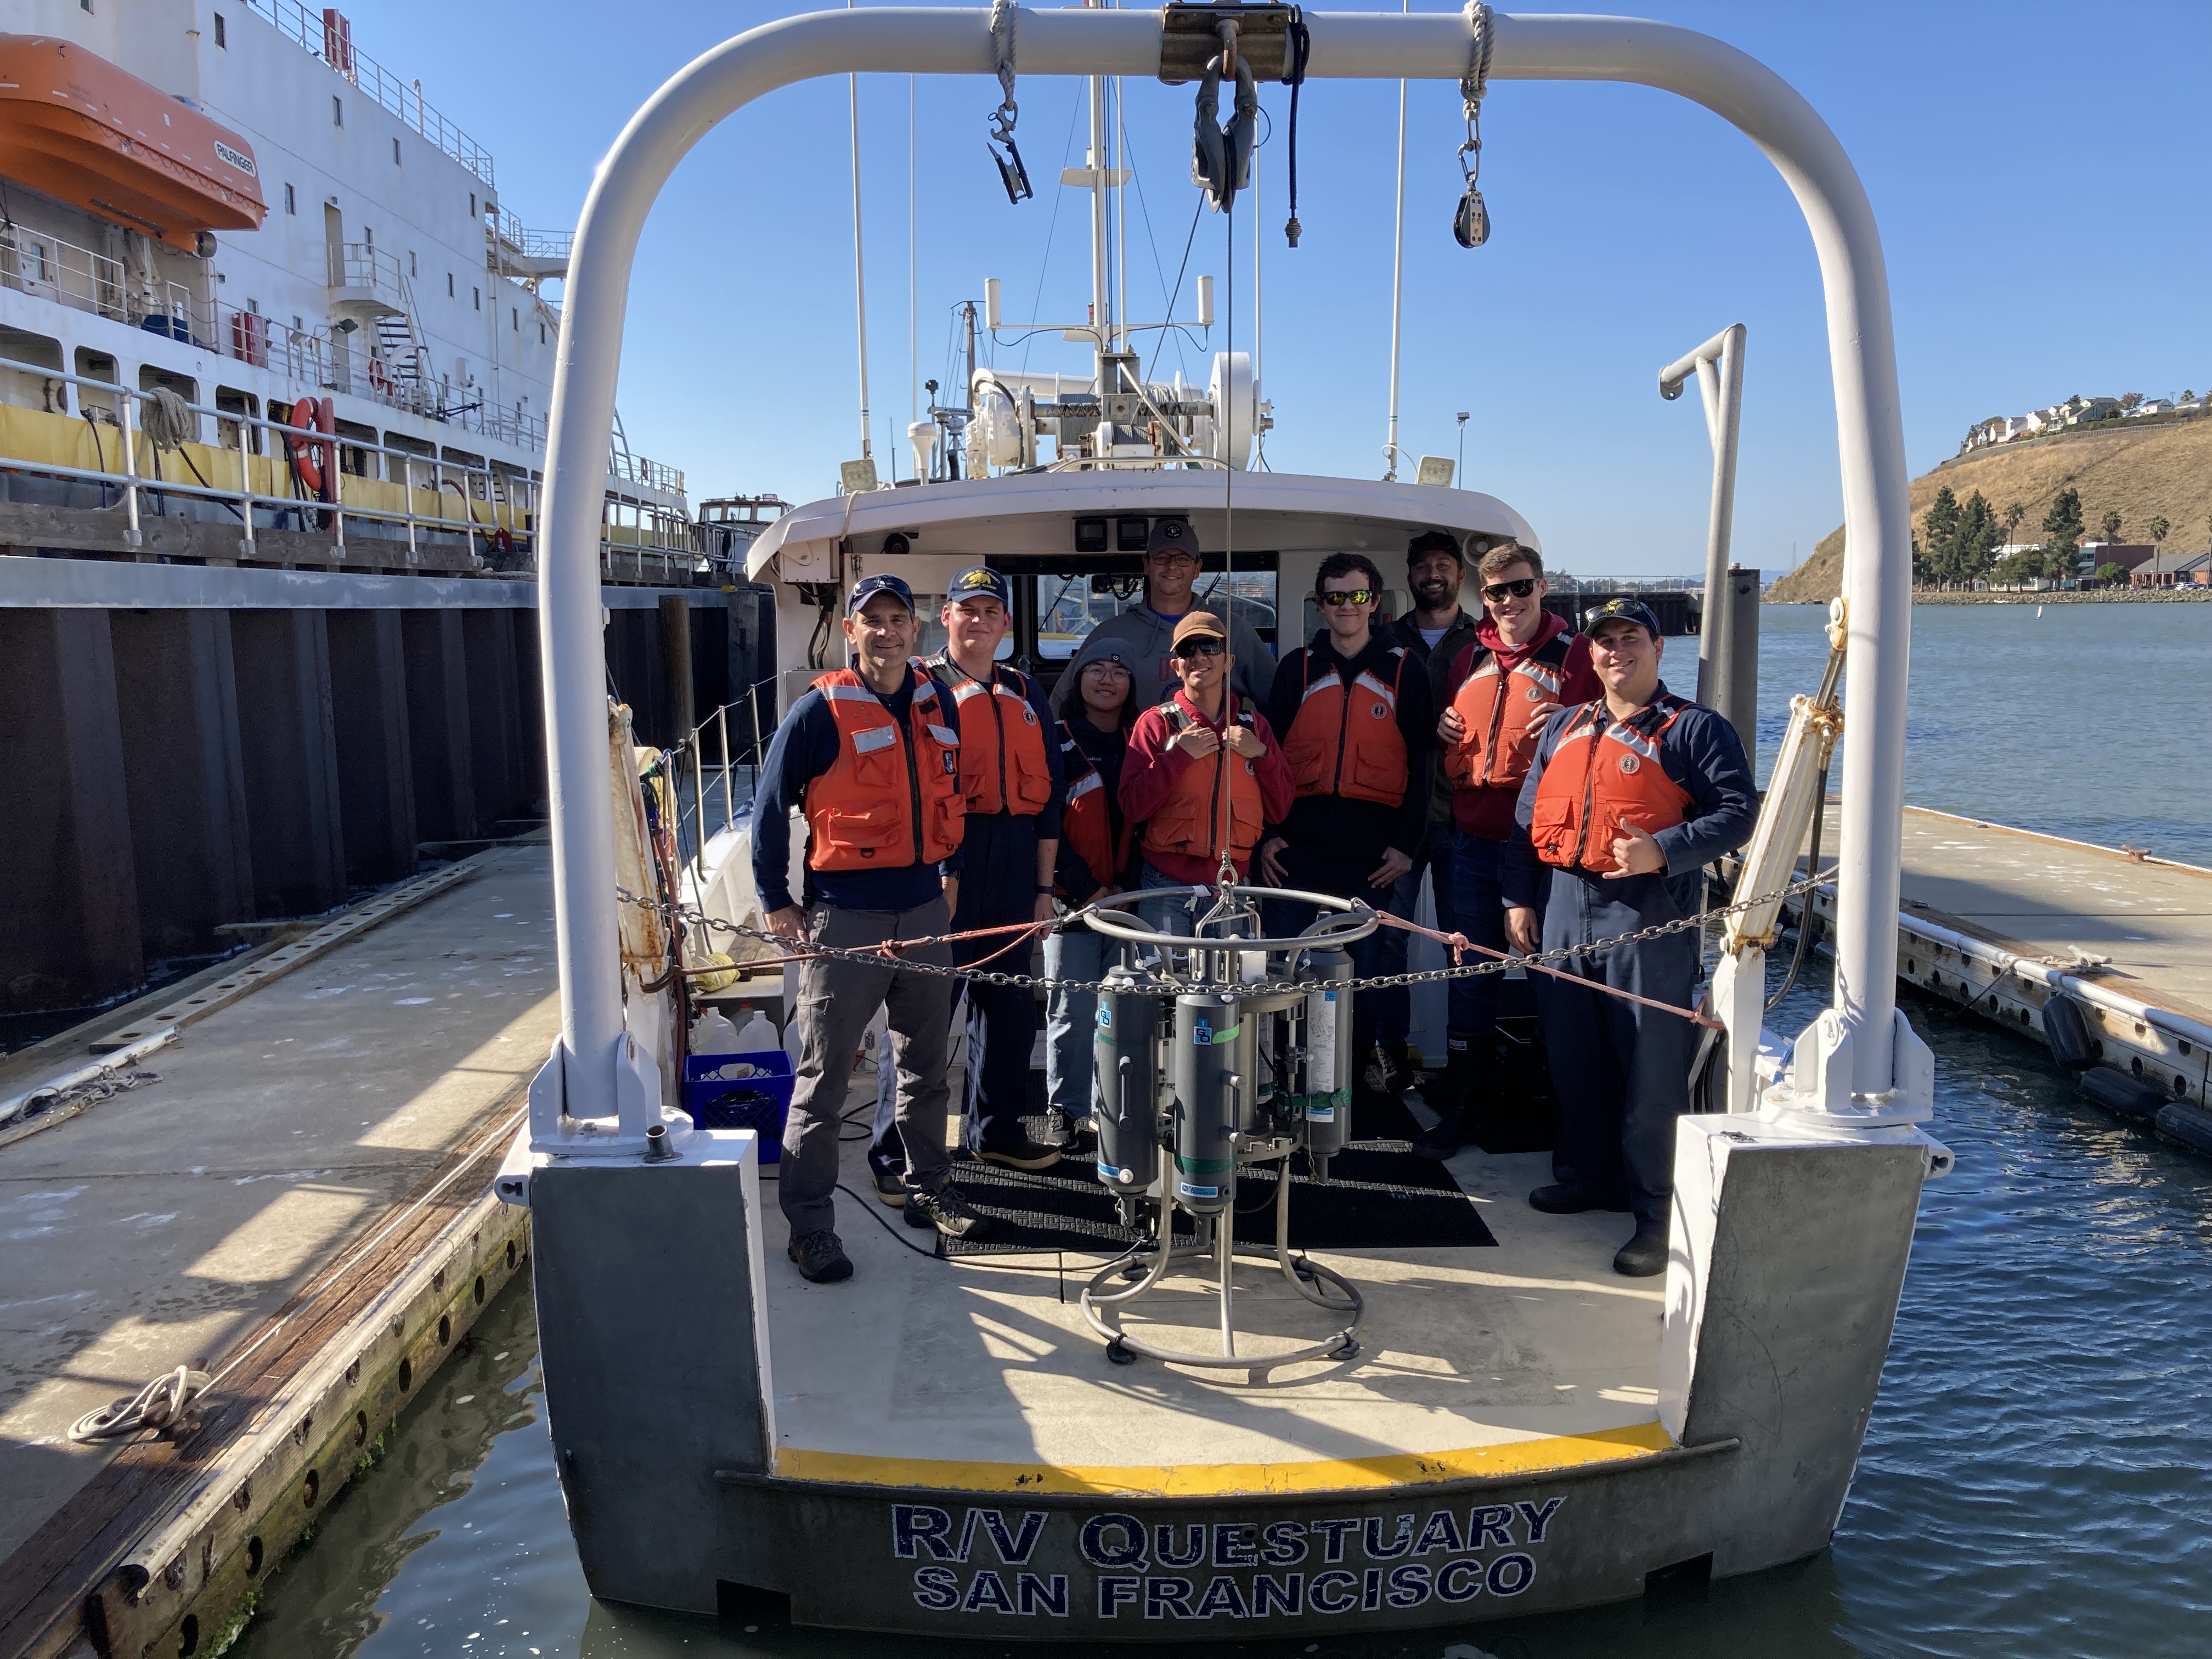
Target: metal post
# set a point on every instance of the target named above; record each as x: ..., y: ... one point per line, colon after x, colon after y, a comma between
x: 1863, y: 359
x: 130, y: 467
x: 1718, y: 365
x: 337, y: 476
x: 1735, y: 676
x: 407, y: 465
x: 245, y: 480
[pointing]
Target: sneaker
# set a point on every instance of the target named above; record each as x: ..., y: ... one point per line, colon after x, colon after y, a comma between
x: 1386, y: 1071
x: 1564, y: 1198
x: 1646, y: 1254
x: 1451, y: 1132
x: 820, y: 1256
x: 1059, y: 1126
x: 890, y: 1187
x: 947, y: 1211
x: 1022, y: 1155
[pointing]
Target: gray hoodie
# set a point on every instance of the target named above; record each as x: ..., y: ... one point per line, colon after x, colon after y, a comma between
x: 1140, y: 637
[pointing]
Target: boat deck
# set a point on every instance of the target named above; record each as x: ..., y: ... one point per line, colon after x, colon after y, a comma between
x: 980, y: 1372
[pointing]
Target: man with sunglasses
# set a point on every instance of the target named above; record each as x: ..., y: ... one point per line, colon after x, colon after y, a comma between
x: 1353, y: 709
x: 1523, y: 664
x: 1432, y: 632
x: 1627, y: 799
x: 1145, y: 634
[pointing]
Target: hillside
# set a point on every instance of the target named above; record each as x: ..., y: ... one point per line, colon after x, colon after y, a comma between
x: 2143, y: 470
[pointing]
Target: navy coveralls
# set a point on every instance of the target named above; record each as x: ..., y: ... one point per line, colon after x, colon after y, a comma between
x: 1622, y: 1071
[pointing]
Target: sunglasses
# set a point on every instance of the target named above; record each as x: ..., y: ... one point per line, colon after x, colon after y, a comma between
x: 1520, y: 590
x: 1202, y: 647
x: 1343, y: 596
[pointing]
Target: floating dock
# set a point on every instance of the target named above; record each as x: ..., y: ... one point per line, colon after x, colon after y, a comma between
x: 299, y: 1206
x: 2001, y: 921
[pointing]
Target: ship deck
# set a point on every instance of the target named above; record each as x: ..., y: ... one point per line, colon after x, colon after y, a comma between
x: 980, y: 1372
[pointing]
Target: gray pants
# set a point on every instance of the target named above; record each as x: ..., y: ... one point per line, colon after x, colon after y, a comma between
x: 836, y: 1001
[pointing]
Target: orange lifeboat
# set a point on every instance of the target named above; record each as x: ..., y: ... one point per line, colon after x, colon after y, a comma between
x: 82, y: 130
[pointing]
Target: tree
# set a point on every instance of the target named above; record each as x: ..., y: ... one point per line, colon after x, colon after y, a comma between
x: 1941, y: 527
x: 1974, y: 542
x: 2013, y: 513
x: 2129, y: 400
x: 2062, y: 530
x: 2015, y: 568
x: 2111, y: 523
x: 2109, y: 571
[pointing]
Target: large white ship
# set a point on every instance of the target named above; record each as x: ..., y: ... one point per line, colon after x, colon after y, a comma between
x: 234, y: 204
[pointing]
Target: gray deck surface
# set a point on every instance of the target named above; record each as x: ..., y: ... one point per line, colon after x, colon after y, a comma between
x: 161, y: 1225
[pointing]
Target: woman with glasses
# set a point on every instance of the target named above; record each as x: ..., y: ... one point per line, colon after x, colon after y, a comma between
x: 1353, y: 708
x: 1096, y: 861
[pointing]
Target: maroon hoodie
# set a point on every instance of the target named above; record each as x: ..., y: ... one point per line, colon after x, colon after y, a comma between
x: 1488, y: 812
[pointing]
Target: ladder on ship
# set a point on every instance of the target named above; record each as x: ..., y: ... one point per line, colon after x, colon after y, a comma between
x: 406, y: 357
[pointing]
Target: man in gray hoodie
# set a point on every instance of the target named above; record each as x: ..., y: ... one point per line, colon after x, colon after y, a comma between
x: 1144, y: 631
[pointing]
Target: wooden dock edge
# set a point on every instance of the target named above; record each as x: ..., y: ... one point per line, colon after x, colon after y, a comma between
x: 180, y: 1584
x: 1942, y: 955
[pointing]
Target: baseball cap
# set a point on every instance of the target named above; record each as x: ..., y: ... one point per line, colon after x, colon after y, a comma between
x: 1172, y: 536
x: 1197, y: 622
x: 980, y: 582
x: 1435, y: 541
x: 868, y: 586
x: 1634, y: 611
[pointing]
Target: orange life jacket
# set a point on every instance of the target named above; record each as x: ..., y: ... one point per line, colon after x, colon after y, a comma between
x: 1603, y: 774
x: 892, y: 796
x: 1493, y: 704
x: 1086, y: 823
x: 1189, y: 821
x: 1345, y: 740
x: 1002, y: 759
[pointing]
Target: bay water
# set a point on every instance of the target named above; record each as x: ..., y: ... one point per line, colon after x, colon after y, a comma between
x: 2037, y: 1477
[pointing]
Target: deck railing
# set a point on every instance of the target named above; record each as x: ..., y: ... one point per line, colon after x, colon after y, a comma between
x: 323, y: 34
x: 639, y: 541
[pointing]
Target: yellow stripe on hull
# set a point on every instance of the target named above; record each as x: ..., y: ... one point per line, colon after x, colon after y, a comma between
x: 1513, y: 1457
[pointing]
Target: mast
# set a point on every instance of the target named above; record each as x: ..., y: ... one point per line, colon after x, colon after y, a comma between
x: 1102, y: 319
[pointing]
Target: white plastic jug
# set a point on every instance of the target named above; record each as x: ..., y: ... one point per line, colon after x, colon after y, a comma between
x: 758, y: 1036
x: 712, y: 1033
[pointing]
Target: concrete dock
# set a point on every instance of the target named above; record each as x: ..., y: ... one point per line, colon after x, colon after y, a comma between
x: 296, y: 1189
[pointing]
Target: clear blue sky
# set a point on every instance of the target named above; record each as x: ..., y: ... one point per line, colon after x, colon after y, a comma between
x: 2040, y: 172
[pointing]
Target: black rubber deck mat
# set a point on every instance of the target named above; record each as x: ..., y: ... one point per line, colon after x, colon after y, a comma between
x: 1379, y: 1195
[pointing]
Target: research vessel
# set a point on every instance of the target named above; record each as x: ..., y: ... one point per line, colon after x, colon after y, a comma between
x: 1478, y: 1422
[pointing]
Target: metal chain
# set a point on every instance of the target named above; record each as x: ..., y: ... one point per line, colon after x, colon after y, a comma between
x: 874, y: 957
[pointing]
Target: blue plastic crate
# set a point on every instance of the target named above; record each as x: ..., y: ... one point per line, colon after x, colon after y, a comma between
x: 754, y: 1103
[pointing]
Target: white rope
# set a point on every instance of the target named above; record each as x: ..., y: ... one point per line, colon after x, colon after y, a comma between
x: 1005, y: 19
x: 164, y: 1404
x: 1475, y: 81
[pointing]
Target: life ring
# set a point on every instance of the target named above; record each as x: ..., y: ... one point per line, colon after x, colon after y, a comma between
x: 306, y: 455
x: 378, y: 378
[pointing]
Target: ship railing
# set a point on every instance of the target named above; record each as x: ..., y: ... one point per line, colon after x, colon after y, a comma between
x: 379, y: 492
x: 636, y: 469
x: 365, y: 265
x: 532, y: 244
x: 47, y: 268
x: 323, y: 34
x: 719, y: 761
x: 383, y: 492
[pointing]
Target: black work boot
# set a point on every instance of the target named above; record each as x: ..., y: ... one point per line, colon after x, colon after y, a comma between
x: 1644, y: 1255
x: 1568, y: 1198
x: 820, y: 1256
x: 1452, y: 1097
